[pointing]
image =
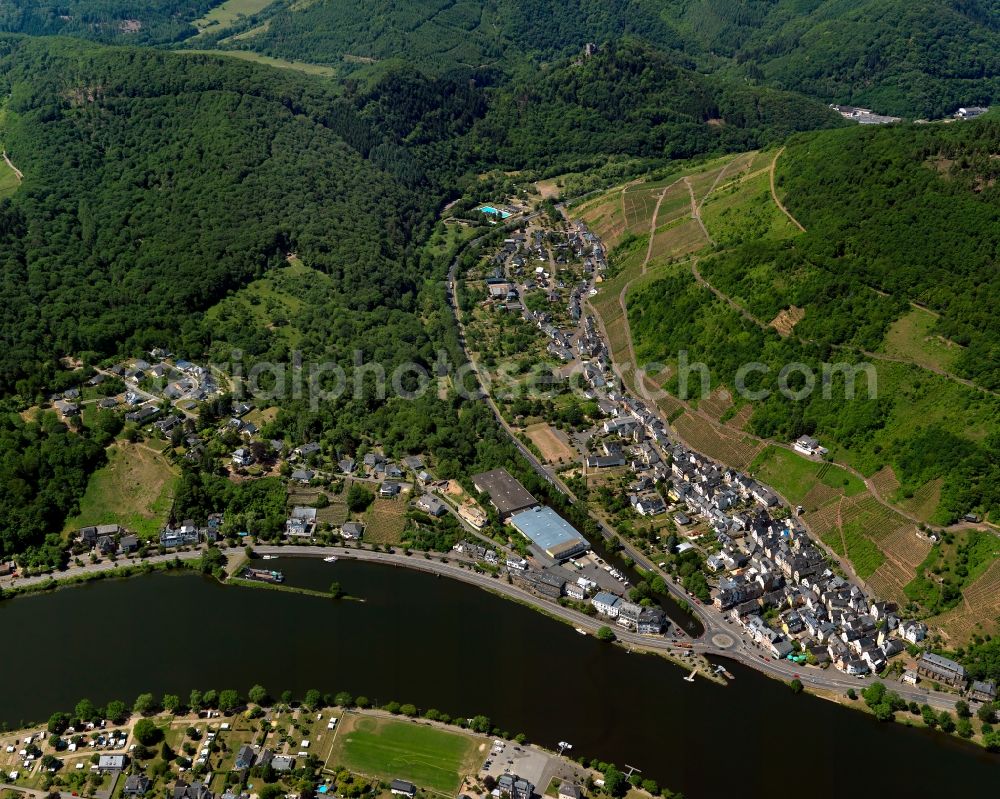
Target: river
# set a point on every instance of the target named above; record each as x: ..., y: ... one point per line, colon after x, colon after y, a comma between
x: 440, y: 643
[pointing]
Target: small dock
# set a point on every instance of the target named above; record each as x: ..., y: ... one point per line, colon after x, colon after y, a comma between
x: 263, y: 575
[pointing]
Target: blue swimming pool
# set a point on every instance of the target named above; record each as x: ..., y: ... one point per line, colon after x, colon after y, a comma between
x: 489, y: 209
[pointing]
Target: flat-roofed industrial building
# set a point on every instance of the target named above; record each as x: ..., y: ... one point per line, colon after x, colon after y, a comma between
x: 550, y: 532
x: 506, y: 494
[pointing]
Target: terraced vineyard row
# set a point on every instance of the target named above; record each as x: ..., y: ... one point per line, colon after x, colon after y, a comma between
x: 716, y: 403
x: 979, y: 611
x: 716, y: 442
x: 885, y: 481
x: 925, y: 500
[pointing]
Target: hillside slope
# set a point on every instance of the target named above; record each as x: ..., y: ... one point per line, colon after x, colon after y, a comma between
x: 120, y: 21
x: 920, y: 58
x: 633, y: 99
x: 896, y: 269
x: 155, y: 183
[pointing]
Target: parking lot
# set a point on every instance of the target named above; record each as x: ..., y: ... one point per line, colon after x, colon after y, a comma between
x: 507, y: 757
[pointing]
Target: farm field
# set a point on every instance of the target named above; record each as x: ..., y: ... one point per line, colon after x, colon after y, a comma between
x: 260, y: 58
x: 333, y: 514
x: 550, y: 443
x: 388, y: 749
x: 910, y: 337
x: 385, y: 520
x: 979, y: 611
x: 952, y: 567
x: 883, y: 547
x: 924, y: 501
x: 787, y: 319
x: 629, y: 208
x: 716, y: 441
x: 134, y: 489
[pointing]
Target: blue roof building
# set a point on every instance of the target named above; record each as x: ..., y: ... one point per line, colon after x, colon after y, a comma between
x: 550, y: 532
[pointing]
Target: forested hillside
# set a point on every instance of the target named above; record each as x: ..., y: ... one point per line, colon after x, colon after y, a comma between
x: 154, y: 184
x: 121, y: 21
x: 915, y: 213
x: 905, y: 57
x: 632, y: 99
x: 897, y: 267
x: 908, y: 57
x: 914, y: 58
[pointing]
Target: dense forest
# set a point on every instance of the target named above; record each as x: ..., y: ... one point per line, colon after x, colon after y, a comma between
x: 859, y: 196
x: 118, y: 21
x: 44, y: 468
x: 922, y: 58
x: 634, y: 100
x: 909, y: 57
x: 156, y: 184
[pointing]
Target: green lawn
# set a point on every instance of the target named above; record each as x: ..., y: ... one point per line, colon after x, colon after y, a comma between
x: 794, y: 476
x: 8, y: 180
x: 260, y: 58
x: 222, y: 16
x: 134, y: 489
x: 389, y: 749
x: 911, y: 337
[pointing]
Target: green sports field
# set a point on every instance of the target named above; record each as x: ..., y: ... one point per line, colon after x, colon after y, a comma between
x: 389, y: 749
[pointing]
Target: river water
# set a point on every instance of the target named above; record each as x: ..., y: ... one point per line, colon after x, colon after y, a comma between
x: 440, y: 643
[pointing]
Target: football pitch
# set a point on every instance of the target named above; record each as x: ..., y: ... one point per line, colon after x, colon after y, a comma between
x: 389, y: 749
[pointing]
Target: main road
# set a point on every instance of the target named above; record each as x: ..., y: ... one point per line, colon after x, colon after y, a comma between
x: 720, y: 638
x: 718, y: 642
x: 740, y: 651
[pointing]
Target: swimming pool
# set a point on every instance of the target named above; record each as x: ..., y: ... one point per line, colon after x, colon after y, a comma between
x: 489, y: 209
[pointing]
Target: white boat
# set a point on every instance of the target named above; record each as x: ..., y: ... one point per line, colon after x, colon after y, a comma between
x: 690, y: 677
x: 331, y: 559
x: 580, y: 630
x: 269, y: 557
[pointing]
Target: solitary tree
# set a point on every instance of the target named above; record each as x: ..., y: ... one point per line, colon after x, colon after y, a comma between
x: 229, y: 700
x: 258, y: 694
x: 85, y: 710
x: 615, y: 783
x: 116, y: 711
x: 58, y: 722
x: 146, y: 732
x: 171, y: 703
x: 144, y: 703
x: 605, y: 633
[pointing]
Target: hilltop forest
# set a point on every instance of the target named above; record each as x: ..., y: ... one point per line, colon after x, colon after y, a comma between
x: 906, y: 57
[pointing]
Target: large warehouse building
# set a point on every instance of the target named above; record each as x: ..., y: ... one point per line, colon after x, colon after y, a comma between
x: 506, y: 494
x: 555, y: 536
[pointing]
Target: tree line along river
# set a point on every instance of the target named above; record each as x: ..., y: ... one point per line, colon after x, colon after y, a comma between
x: 440, y: 643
